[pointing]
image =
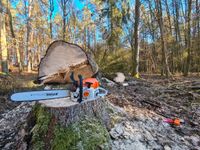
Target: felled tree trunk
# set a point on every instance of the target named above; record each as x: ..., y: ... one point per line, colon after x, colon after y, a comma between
x: 61, y: 60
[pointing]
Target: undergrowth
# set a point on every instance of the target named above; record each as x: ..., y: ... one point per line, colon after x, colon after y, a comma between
x: 113, y: 61
x: 7, y: 84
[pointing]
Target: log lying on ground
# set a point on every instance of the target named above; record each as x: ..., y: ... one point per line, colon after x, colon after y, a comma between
x: 61, y: 59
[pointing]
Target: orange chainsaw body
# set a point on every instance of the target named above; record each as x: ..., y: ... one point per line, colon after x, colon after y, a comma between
x: 92, y: 89
x: 94, y: 83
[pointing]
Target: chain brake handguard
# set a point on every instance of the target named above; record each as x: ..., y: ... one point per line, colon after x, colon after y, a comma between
x: 77, y: 88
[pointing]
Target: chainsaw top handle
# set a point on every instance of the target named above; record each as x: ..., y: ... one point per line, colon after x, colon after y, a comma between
x: 80, y: 99
x: 75, y: 83
x: 80, y: 85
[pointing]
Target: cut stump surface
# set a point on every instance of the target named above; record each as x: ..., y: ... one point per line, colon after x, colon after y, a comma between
x: 65, y: 111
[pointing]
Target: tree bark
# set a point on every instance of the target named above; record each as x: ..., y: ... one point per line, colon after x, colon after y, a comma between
x: 165, y: 67
x: 19, y: 57
x: 177, y: 34
x: 64, y: 15
x: 0, y: 38
x: 28, y: 9
x: 168, y: 16
x: 66, y: 112
x: 136, y: 39
x: 4, y: 49
x: 51, y: 7
x: 152, y: 31
x: 188, y: 46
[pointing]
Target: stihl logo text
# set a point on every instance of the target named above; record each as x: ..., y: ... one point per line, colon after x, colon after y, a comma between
x: 52, y: 94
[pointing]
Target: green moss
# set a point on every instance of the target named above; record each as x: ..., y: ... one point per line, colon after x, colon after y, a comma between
x: 41, y: 127
x: 88, y: 134
x: 115, y: 115
x: 65, y: 138
x: 93, y: 134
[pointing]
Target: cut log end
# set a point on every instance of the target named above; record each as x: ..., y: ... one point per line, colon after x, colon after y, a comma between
x: 61, y: 59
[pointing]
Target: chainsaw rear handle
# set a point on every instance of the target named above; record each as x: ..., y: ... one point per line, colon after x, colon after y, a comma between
x: 105, y: 92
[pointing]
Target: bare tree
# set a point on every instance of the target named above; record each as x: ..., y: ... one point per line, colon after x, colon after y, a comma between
x: 64, y: 4
x: 28, y: 10
x: 135, y: 53
x: 51, y: 8
x: 188, y: 43
x: 165, y: 67
x: 152, y: 27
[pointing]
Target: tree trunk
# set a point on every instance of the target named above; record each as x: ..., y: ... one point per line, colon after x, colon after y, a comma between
x: 136, y: 40
x: 51, y: 5
x: 165, y: 67
x: 152, y: 32
x: 28, y: 30
x: 198, y: 33
x: 19, y: 59
x: 198, y: 24
x: 0, y: 38
x: 4, y: 49
x: 187, y: 67
x: 88, y: 38
x: 64, y: 15
x: 85, y: 37
x: 171, y: 34
x: 177, y: 34
x: 168, y: 16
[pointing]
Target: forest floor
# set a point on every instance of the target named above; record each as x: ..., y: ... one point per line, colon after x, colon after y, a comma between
x: 14, y: 82
x: 146, y: 103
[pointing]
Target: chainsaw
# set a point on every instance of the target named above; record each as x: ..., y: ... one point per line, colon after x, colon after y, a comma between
x: 84, y: 90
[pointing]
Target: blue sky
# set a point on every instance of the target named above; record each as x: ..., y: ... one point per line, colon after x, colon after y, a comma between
x: 76, y: 3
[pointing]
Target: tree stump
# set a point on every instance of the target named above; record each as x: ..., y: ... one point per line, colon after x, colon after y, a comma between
x: 66, y: 124
x: 66, y: 111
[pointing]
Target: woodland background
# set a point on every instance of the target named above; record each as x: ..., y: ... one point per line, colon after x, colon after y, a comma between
x: 161, y: 36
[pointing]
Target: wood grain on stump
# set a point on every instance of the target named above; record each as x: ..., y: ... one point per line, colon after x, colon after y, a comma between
x: 66, y: 111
